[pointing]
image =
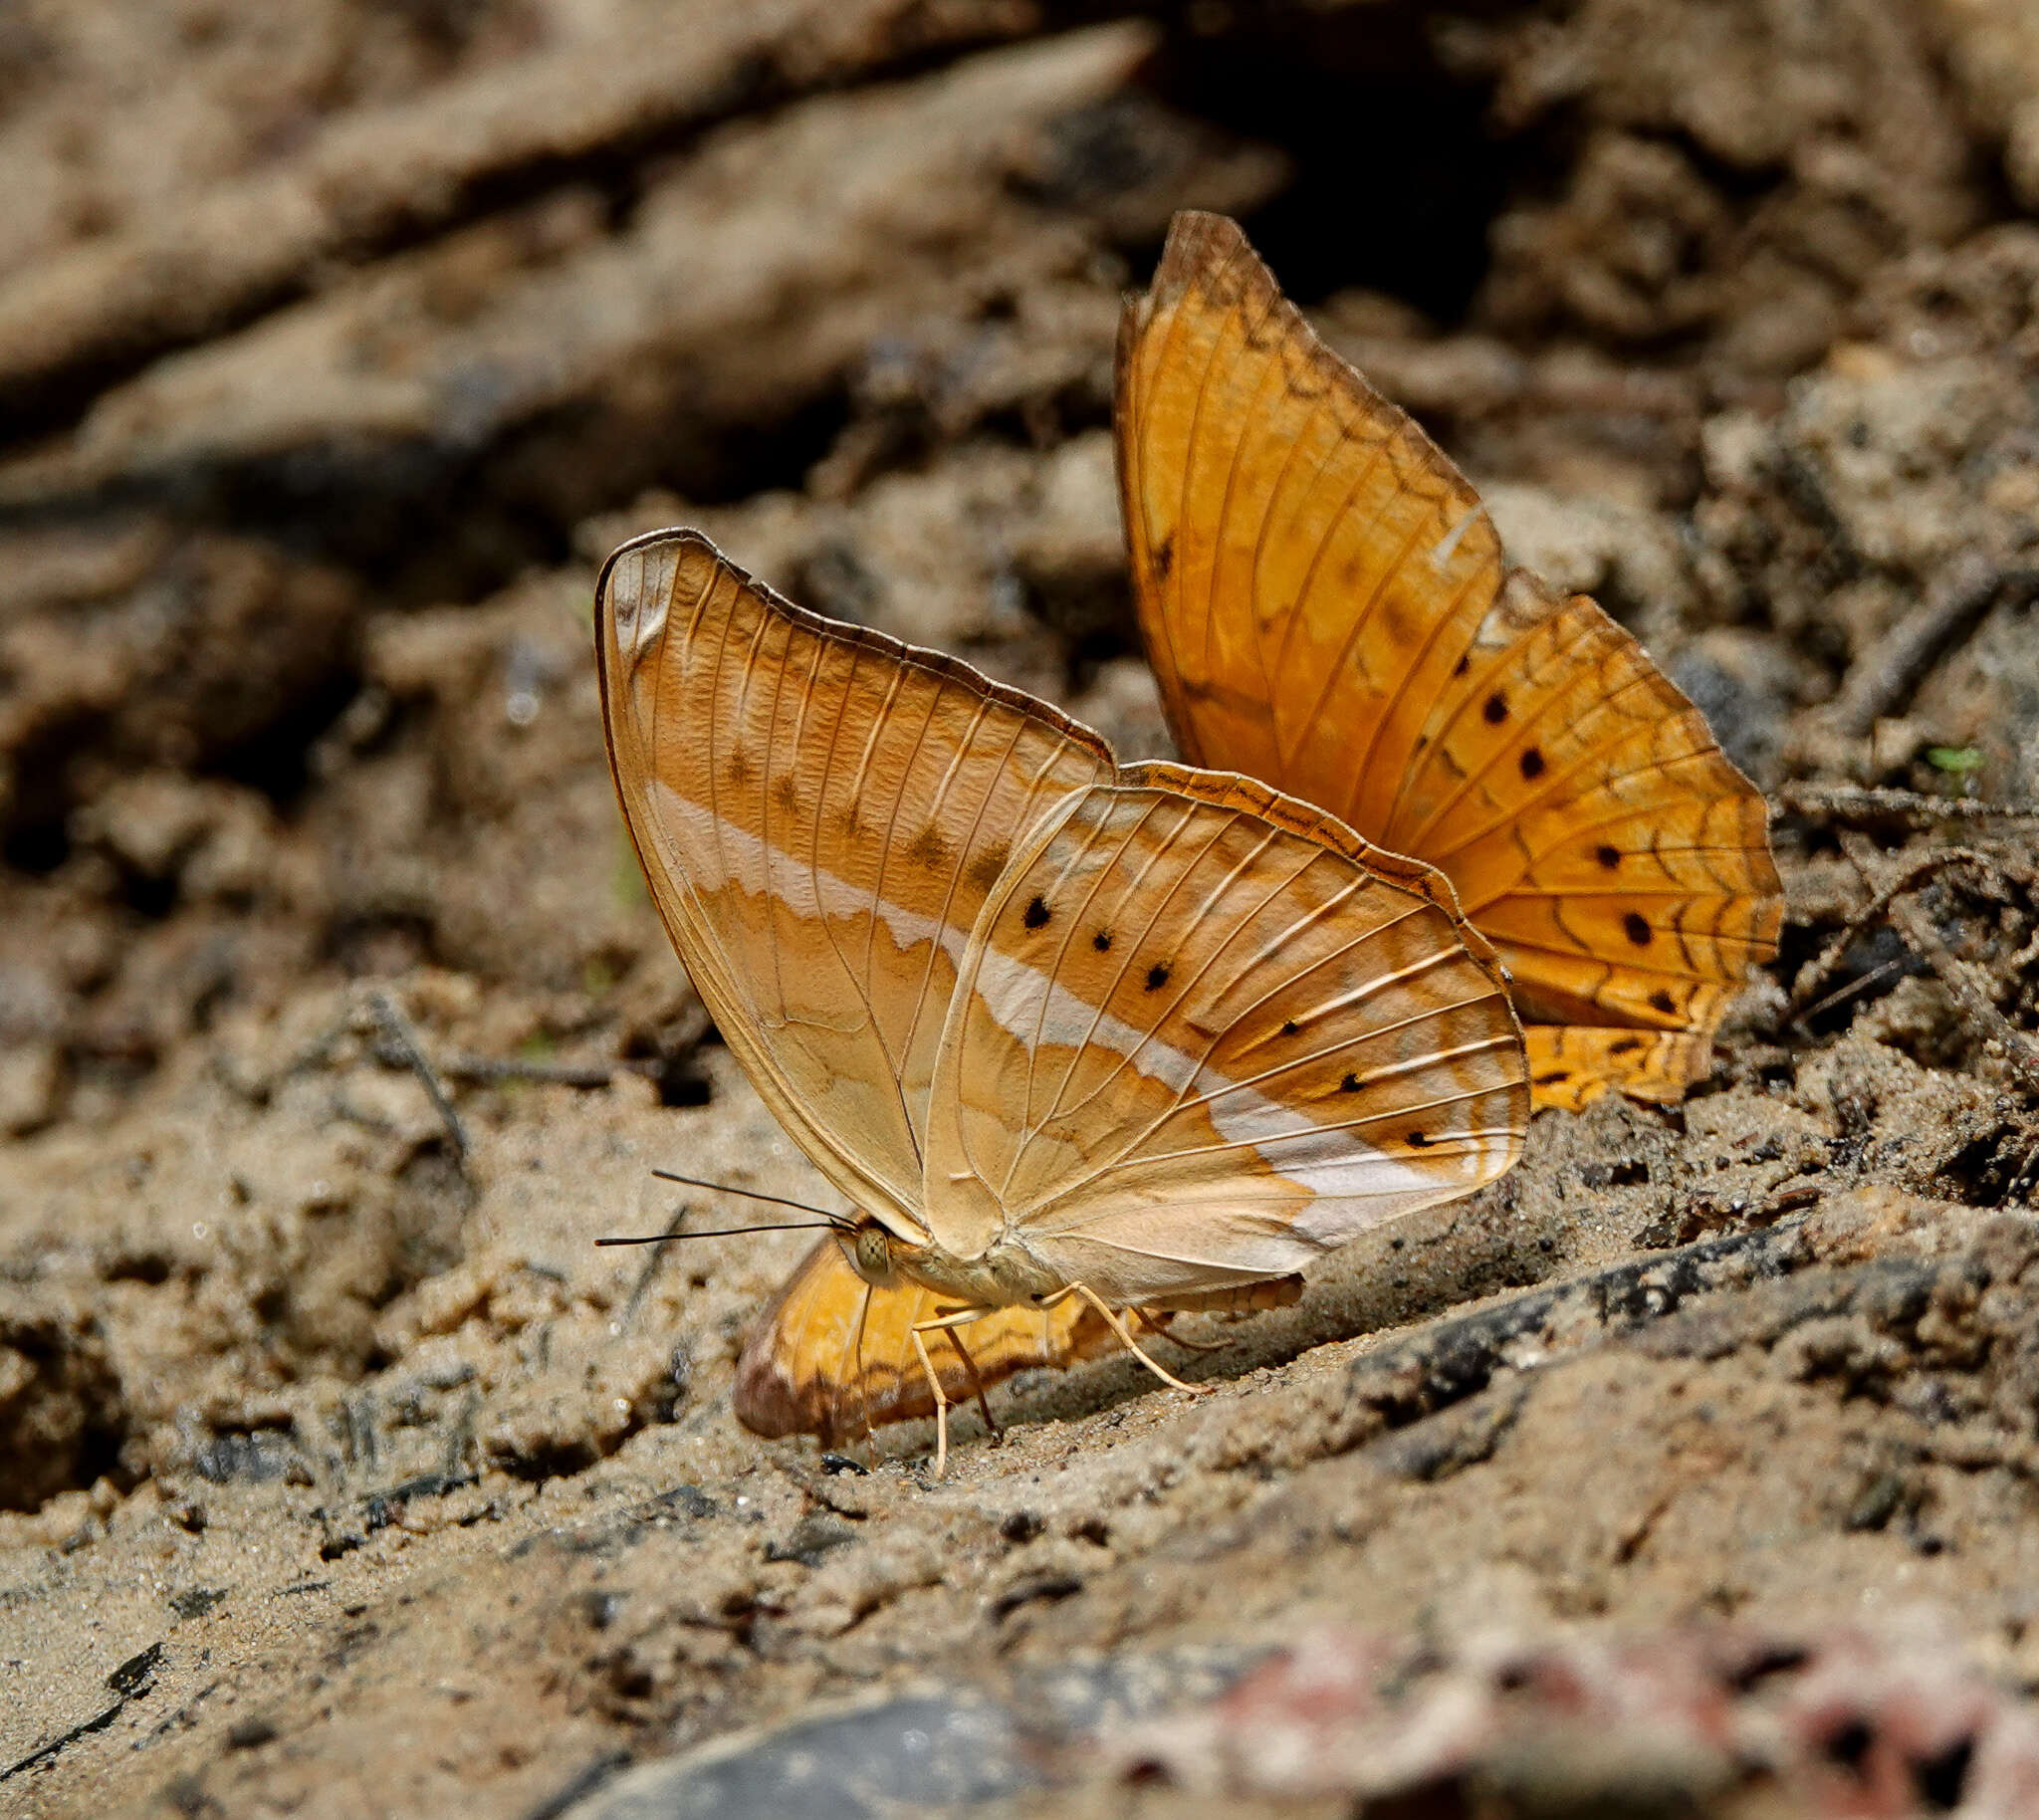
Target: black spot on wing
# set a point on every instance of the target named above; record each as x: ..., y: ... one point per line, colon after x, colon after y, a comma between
x: 1036, y: 916
x: 1637, y: 930
x: 1156, y: 976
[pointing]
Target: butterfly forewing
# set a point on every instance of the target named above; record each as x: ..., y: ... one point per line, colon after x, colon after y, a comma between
x: 1307, y: 567
x: 832, y: 1356
x: 1327, y: 607
x: 821, y: 813
x: 1192, y: 1044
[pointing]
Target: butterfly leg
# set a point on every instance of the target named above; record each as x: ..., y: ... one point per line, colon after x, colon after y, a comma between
x: 941, y: 1404
x: 956, y: 1317
x: 1117, y: 1323
x: 1163, y: 1325
x: 984, y: 1408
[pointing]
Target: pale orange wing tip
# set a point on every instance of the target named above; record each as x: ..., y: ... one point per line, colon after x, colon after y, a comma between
x: 1571, y: 1065
x: 832, y: 1357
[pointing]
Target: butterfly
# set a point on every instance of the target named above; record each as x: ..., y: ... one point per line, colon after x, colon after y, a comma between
x: 1066, y: 1034
x: 831, y: 1356
x: 1326, y: 606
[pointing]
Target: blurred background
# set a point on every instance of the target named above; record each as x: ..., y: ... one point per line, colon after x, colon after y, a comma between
x: 338, y: 342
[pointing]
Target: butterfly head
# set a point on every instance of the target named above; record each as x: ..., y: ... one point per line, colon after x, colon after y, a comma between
x: 871, y: 1251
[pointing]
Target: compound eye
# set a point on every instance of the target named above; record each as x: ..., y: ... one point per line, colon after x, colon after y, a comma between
x: 873, y: 1253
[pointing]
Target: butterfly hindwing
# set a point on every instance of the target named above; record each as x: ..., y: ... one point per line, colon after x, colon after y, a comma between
x: 1193, y: 1045
x: 1327, y: 607
x: 1581, y: 806
x: 1571, y: 1065
x: 832, y: 1356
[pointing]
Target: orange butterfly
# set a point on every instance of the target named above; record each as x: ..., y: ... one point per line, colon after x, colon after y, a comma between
x: 1067, y: 1035
x: 1326, y: 606
x: 832, y: 1356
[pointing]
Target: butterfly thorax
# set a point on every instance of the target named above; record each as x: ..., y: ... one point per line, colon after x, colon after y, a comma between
x: 1001, y: 1276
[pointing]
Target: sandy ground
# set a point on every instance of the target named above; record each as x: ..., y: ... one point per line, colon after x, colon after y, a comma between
x: 1690, y: 1469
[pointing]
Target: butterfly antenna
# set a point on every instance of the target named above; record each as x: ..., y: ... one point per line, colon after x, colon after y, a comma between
x: 726, y: 1188
x: 722, y: 1232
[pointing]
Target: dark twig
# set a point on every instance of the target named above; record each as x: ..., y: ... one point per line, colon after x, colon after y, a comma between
x: 1887, y: 675
x: 1859, y: 806
x: 1817, y: 974
x: 1953, y: 973
x: 397, y: 1034
x: 654, y: 1263
x: 134, y: 1680
x: 83, y: 1728
x: 1857, y: 986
